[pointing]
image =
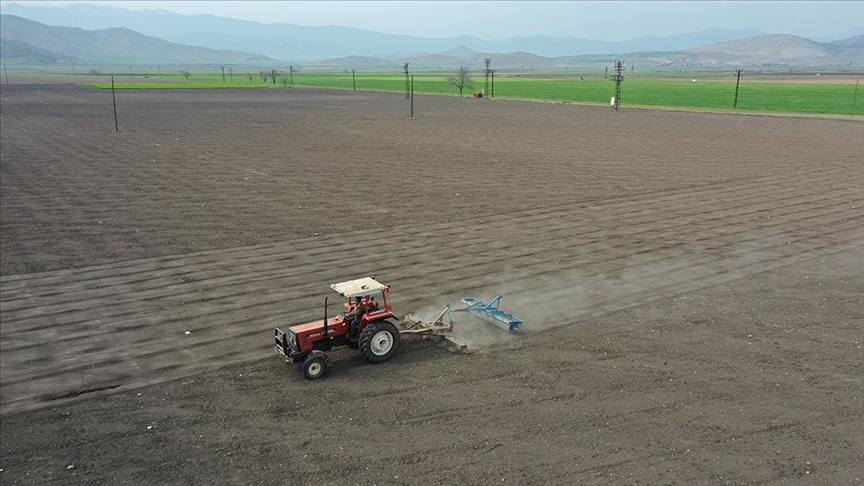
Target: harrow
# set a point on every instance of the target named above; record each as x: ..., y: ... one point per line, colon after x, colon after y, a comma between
x: 438, y: 328
x: 442, y: 325
x: 492, y: 313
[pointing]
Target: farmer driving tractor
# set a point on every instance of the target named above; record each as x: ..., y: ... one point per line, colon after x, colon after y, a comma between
x: 354, y: 317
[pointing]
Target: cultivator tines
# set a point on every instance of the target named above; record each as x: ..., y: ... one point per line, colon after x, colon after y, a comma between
x: 413, y: 325
x: 437, y: 328
x: 492, y: 313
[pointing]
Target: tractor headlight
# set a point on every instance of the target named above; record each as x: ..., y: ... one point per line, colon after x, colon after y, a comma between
x: 292, y: 341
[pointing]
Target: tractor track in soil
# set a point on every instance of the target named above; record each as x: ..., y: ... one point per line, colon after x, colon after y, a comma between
x: 667, y: 250
x: 228, y: 298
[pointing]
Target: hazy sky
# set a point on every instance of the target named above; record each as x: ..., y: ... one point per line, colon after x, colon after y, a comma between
x: 605, y: 20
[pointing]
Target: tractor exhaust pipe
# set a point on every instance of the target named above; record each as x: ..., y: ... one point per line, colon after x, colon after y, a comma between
x: 325, y: 317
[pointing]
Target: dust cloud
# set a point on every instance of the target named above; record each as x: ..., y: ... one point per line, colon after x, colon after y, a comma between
x: 540, y: 302
x: 574, y: 297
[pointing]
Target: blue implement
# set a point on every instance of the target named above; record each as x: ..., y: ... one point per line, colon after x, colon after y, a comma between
x: 491, y: 310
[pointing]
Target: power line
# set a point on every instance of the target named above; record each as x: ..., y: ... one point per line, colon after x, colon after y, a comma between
x: 619, y: 66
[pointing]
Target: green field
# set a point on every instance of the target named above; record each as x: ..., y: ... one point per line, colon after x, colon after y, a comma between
x: 700, y: 90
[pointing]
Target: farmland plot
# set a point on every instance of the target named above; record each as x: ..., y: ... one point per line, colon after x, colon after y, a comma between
x: 690, y: 286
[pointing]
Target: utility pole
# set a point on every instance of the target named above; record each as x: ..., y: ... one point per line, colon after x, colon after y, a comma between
x: 354, y: 80
x: 7, y: 77
x: 486, y: 88
x: 114, y: 101
x: 291, y: 75
x: 412, y: 98
x: 493, y: 83
x: 737, y: 82
x: 407, y: 83
x: 223, y: 74
x: 619, y: 65
x: 854, y: 96
x: 230, y: 74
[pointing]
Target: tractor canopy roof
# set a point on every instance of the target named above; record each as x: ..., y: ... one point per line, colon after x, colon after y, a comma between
x: 359, y: 288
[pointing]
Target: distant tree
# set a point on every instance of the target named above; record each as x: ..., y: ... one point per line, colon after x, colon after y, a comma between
x: 186, y: 73
x: 251, y: 77
x: 461, y: 80
x: 284, y: 79
x: 94, y: 72
x: 264, y: 76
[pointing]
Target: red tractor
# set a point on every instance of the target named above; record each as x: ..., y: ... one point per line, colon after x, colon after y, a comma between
x: 370, y: 331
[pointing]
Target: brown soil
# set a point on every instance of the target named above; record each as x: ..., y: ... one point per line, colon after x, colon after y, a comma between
x: 690, y: 285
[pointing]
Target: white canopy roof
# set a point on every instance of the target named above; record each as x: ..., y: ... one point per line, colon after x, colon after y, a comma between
x: 358, y: 288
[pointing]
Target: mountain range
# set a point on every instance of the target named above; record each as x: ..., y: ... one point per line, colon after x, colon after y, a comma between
x: 83, y: 33
x: 25, y: 40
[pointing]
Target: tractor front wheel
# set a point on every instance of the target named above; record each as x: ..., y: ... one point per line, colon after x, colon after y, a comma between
x: 379, y: 341
x: 314, y: 367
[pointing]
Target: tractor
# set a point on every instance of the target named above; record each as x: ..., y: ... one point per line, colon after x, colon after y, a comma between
x: 370, y: 330
x: 371, y: 333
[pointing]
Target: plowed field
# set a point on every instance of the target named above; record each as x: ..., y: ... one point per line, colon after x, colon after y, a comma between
x: 691, y: 286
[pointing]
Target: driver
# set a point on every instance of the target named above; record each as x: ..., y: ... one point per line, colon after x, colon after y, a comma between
x: 354, y: 316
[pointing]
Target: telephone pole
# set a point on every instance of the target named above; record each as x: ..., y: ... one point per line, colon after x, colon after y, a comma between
x: 114, y: 102
x: 737, y: 82
x: 407, y: 82
x: 412, y: 98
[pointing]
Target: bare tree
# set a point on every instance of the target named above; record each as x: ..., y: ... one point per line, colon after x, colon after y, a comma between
x: 284, y: 79
x: 264, y: 76
x: 186, y: 73
x: 251, y: 77
x: 461, y: 80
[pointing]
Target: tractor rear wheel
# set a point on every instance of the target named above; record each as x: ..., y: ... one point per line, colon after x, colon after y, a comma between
x: 314, y: 367
x: 379, y: 341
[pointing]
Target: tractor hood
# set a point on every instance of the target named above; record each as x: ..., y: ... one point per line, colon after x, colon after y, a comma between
x: 318, y: 325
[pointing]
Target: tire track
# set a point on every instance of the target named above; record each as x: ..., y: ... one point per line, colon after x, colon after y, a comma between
x: 723, y: 193
x: 230, y: 268
x: 229, y: 299
x: 144, y: 359
x: 211, y: 297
